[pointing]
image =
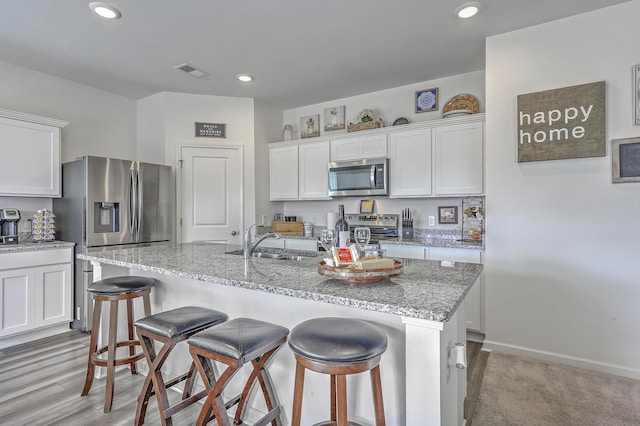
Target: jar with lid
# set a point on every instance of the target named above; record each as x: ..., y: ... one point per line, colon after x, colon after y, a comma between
x: 287, y: 133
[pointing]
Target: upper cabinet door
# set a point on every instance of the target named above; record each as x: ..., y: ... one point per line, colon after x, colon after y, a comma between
x: 372, y: 146
x: 313, y: 172
x: 344, y: 149
x: 459, y: 159
x: 32, y: 166
x: 357, y: 148
x: 410, y: 164
x: 283, y: 172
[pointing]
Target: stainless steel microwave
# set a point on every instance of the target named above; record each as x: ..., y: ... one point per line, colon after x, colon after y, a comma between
x: 359, y: 178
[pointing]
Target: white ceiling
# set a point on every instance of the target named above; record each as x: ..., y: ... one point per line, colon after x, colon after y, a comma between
x: 301, y: 52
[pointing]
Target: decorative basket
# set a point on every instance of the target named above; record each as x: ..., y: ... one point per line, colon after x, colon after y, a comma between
x: 365, y: 125
x: 360, y: 276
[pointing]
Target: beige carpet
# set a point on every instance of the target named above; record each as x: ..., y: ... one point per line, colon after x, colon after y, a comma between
x: 522, y: 391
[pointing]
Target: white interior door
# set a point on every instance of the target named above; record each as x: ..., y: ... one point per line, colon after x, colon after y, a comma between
x: 211, y: 192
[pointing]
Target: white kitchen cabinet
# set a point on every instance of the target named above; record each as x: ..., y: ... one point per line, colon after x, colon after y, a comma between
x: 359, y: 147
x: 35, y: 294
x: 301, y: 244
x: 313, y: 177
x: 459, y: 159
x: 474, y: 302
x: 17, y: 299
x: 283, y: 172
x: 410, y: 164
x: 34, y: 144
x: 298, y: 171
x: 407, y: 252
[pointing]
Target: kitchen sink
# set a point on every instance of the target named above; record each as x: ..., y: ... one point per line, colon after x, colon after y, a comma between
x: 274, y: 255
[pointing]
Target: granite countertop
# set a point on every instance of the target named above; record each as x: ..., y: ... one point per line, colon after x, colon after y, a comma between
x: 425, y: 290
x: 32, y: 246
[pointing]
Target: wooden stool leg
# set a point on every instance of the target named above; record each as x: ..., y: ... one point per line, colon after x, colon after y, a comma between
x: 93, y: 346
x: 190, y: 382
x: 261, y: 375
x: 132, y: 350
x: 111, y: 354
x: 214, y: 398
x: 341, y: 381
x: 333, y: 397
x: 297, y: 395
x: 147, y: 386
x: 376, y: 384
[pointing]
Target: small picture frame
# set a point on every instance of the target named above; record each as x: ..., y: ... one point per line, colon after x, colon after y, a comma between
x: 334, y: 118
x: 310, y: 126
x: 448, y: 215
x: 625, y: 157
x: 426, y: 100
x: 636, y: 95
x: 366, y: 206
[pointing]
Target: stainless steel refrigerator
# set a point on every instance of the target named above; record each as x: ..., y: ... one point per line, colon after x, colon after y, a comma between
x: 110, y: 203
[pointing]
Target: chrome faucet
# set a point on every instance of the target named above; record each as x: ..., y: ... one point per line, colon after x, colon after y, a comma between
x: 249, y: 247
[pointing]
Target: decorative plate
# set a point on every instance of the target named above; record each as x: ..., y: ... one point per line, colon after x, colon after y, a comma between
x: 360, y: 276
x: 401, y: 120
x: 461, y: 102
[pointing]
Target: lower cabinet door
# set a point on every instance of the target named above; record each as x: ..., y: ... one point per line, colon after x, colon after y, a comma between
x: 53, y: 295
x: 17, y: 296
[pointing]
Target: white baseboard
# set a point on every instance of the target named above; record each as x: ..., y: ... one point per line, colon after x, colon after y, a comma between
x: 588, y: 364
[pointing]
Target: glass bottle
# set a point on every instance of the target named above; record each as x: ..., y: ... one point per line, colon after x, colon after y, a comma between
x: 342, y: 228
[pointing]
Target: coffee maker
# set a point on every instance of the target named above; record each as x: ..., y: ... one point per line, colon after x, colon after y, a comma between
x: 9, y: 219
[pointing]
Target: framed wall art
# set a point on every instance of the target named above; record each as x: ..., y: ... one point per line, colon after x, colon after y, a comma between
x: 366, y: 206
x: 625, y: 158
x: 448, y: 215
x: 334, y: 118
x: 310, y: 126
x: 427, y: 100
x: 636, y: 95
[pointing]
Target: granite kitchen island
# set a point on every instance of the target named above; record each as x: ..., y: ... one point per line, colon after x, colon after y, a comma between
x: 421, y: 311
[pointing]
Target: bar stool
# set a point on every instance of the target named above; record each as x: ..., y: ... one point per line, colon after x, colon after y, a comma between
x: 170, y: 328
x: 113, y: 290
x: 339, y: 347
x: 235, y: 343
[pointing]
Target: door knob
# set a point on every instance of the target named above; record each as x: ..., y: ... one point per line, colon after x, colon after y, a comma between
x: 234, y: 232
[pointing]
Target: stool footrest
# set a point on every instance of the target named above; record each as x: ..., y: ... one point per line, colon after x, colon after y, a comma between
x: 118, y: 361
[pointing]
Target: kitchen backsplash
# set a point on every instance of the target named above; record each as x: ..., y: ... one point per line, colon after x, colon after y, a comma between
x: 316, y: 211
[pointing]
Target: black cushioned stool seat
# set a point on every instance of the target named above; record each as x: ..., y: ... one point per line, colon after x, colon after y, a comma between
x: 113, y: 290
x: 235, y: 343
x: 339, y: 347
x: 170, y: 328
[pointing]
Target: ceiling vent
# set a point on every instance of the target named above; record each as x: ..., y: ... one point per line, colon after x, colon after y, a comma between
x: 191, y: 70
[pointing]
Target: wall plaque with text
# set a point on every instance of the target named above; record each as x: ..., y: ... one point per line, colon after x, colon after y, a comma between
x: 210, y: 130
x: 562, y: 123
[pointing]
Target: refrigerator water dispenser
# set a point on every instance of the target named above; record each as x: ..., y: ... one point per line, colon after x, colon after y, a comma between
x: 106, y: 217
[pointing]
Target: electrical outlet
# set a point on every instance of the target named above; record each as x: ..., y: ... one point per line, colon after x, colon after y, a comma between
x: 432, y: 221
x: 264, y: 219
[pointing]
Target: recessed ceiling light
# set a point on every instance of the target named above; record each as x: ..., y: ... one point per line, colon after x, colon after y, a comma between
x: 467, y: 10
x: 105, y: 10
x: 244, y: 77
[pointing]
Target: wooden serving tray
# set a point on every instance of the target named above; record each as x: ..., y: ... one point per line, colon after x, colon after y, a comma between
x: 359, y: 276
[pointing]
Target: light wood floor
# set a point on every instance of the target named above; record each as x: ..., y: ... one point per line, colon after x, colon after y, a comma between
x: 40, y: 384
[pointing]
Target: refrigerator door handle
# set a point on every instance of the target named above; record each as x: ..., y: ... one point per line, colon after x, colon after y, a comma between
x: 139, y: 194
x: 133, y: 199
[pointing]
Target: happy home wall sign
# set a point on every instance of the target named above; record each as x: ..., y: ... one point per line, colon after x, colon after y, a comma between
x: 562, y: 123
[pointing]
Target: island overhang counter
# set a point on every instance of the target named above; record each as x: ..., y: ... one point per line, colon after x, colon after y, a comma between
x: 421, y: 311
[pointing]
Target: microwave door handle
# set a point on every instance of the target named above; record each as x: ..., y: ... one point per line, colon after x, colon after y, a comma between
x: 372, y: 177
